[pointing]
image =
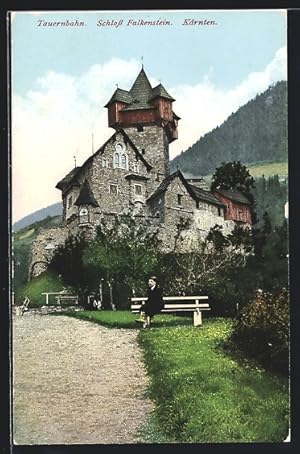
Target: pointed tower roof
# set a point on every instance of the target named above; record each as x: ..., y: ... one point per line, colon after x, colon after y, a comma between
x: 162, y: 92
x: 86, y: 196
x: 140, y: 92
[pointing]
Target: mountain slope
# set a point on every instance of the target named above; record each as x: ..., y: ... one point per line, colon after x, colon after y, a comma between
x: 39, y: 215
x: 257, y: 132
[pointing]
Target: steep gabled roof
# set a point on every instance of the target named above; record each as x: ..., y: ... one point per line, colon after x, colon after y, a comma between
x: 71, y: 176
x: 234, y: 195
x: 163, y: 185
x: 195, y: 193
x: 86, y: 196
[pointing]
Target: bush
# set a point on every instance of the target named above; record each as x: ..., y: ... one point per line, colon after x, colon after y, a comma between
x: 45, y: 282
x: 262, y: 330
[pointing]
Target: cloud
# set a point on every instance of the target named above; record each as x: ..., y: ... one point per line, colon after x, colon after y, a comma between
x: 55, y: 121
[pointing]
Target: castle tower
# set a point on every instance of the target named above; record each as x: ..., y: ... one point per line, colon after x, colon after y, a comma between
x: 146, y: 114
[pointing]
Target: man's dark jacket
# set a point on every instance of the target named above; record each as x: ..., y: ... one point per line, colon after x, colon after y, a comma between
x: 155, y: 303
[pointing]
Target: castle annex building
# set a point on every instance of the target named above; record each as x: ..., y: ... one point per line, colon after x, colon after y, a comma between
x: 130, y: 173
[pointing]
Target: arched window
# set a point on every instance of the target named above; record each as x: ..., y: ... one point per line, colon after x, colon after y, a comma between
x: 116, y: 160
x: 124, y: 161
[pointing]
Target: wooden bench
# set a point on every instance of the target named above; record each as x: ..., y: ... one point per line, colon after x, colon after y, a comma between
x: 59, y: 296
x: 62, y: 298
x: 24, y: 306
x: 175, y: 304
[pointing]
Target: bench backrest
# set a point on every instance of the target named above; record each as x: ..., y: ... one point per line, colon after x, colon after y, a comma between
x: 175, y: 303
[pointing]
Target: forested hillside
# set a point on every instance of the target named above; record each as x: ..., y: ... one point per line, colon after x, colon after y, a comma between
x: 50, y: 211
x: 257, y: 132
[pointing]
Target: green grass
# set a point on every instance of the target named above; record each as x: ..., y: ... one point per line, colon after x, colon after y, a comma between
x: 45, y: 282
x: 204, y: 395
x: 267, y: 169
x: 125, y: 319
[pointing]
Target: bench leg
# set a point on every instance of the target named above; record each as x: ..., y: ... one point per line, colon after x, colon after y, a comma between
x: 197, y: 318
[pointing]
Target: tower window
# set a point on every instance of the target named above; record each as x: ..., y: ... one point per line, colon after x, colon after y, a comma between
x: 138, y: 189
x: 140, y: 128
x: 179, y: 199
x: 83, y: 215
x: 113, y: 189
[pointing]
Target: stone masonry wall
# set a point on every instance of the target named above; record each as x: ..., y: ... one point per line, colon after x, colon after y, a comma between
x: 104, y: 175
x: 153, y: 141
x: 202, y: 219
x: 43, y: 248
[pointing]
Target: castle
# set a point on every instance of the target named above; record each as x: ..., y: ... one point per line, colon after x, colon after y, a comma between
x: 130, y: 173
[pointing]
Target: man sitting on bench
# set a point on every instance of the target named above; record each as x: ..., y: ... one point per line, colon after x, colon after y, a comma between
x: 154, y: 303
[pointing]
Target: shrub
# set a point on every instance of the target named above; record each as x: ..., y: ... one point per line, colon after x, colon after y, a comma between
x: 262, y: 329
x: 45, y: 282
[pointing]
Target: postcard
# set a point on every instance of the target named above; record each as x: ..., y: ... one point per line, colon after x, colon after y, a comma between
x: 149, y: 157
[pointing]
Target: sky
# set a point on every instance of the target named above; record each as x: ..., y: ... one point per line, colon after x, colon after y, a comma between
x: 211, y: 62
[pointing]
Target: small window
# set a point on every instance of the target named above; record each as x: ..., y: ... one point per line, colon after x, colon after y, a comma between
x: 179, y: 199
x: 219, y: 212
x: 138, y: 189
x: 197, y: 204
x: 70, y: 200
x: 104, y: 162
x: 143, y: 151
x: 140, y: 128
x: 113, y: 188
x: 83, y: 215
x: 116, y: 160
x: 136, y: 167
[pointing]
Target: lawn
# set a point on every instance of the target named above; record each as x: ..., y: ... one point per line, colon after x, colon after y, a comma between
x: 202, y: 393
x: 125, y: 319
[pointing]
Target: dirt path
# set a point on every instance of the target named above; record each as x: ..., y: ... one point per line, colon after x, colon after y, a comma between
x: 76, y: 382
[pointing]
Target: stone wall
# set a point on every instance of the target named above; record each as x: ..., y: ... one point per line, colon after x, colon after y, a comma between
x: 111, y: 189
x: 152, y: 142
x: 43, y: 248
